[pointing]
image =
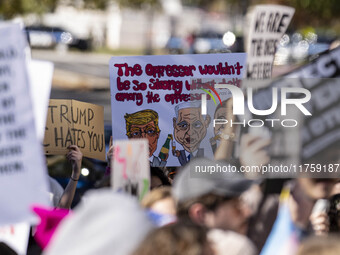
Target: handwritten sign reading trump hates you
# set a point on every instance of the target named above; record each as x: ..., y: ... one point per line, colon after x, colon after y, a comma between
x: 73, y: 122
x: 149, y: 95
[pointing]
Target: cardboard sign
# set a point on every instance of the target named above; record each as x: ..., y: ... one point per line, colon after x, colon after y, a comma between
x: 267, y: 24
x: 23, y: 174
x: 131, y: 167
x: 16, y: 236
x: 150, y: 93
x: 70, y: 122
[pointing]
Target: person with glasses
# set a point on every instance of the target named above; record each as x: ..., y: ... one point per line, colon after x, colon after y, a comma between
x: 144, y: 124
x: 190, y: 128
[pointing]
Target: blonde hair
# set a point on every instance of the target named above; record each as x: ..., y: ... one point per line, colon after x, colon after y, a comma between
x: 155, y: 196
x: 140, y: 118
x: 320, y: 245
x: 182, y: 237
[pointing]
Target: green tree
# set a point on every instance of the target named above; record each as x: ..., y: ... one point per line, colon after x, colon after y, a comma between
x: 96, y: 4
x: 138, y: 3
x: 317, y: 13
x: 314, y: 12
x: 11, y: 8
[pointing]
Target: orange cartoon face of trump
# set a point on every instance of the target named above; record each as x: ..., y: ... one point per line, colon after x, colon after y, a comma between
x: 143, y: 124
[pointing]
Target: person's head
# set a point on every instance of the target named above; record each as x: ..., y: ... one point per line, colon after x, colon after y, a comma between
x: 6, y: 250
x: 143, y: 124
x: 170, y: 172
x: 160, y: 201
x: 190, y: 127
x: 214, y: 211
x: 334, y: 213
x: 158, y: 178
x: 317, y: 188
x: 212, y: 200
x: 221, y: 112
x: 231, y: 243
x: 179, y: 238
x: 320, y: 184
x: 336, y: 188
x: 320, y: 245
x: 105, y: 222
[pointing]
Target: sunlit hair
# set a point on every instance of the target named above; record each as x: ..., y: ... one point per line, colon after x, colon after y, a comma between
x: 320, y: 245
x: 140, y: 118
x: 182, y: 237
x: 155, y: 196
x: 210, y: 201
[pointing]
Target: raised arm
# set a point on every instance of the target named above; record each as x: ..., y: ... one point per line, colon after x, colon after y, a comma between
x: 75, y: 157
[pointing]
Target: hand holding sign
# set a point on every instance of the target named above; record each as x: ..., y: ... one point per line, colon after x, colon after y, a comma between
x: 75, y: 157
x: 109, y: 154
x: 252, y: 152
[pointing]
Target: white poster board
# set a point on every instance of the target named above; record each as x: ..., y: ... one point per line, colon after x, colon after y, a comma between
x: 151, y: 87
x: 16, y: 236
x: 266, y: 25
x: 40, y: 74
x: 131, y: 167
x: 23, y: 174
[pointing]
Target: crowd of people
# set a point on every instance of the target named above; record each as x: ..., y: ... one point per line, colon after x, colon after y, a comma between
x: 220, y: 213
x: 185, y: 212
x: 203, y: 214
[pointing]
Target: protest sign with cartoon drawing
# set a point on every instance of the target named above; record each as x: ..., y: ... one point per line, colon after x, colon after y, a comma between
x: 150, y: 97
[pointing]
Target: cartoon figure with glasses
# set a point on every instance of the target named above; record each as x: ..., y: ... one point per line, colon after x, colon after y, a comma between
x: 190, y: 128
x: 144, y: 124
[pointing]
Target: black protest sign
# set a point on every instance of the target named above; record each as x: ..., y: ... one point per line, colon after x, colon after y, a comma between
x: 73, y: 122
x: 327, y: 65
x: 320, y: 131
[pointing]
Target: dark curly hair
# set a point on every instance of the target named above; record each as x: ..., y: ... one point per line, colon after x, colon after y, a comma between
x: 334, y: 213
